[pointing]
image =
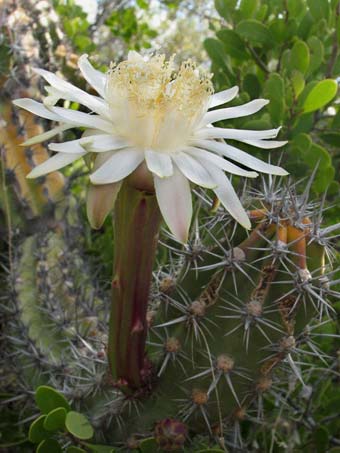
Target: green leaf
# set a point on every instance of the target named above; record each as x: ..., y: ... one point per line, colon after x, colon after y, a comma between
x: 49, y: 446
x: 285, y: 60
x: 274, y: 90
x: 233, y: 44
x: 306, y: 25
x: 323, y: 179
x: 216, y: 51
x: 257, y: 125
x: 302, y: 141
x: 100, y: 448
x: 148, y: 445
x: 318, y: 155
x: 247, y: 8
x: 320, y: 95
x: 37, y: 432
x: 332, y: 138
x: 298, y: 83
x: 254, y: 31
x: 48, y: 399
x: 261, y: 12
x: 299, y: 56
x: 277, y: 29
x: 252, y: 85
x: 316, y: 50
x: 303, y: 96
x: 319, y: 8
x: 296, y: 7
x: 78, y: 425
x: 225, y: 7
x: 282, y: 31
x: 55, y: 419
x: 315, y: 155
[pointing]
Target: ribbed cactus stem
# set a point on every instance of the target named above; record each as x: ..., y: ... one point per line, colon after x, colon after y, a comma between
x: 136, y: 223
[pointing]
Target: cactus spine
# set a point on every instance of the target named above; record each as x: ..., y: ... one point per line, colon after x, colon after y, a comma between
x: 228, y: 324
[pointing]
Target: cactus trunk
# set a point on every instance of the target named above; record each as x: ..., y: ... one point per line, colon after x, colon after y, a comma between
x: 137, y: 221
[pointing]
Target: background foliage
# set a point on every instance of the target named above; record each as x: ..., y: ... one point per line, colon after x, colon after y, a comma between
x: 287, y: 52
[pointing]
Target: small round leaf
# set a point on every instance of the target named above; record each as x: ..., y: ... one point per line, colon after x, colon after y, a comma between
x: 299, y: 56
x: 48, y: 399
x: 148, y: 445
x: 55, y: 419
x: 73, y: 449
x: 254, y: 31
x: 49, y: 446
x: 78, y: 425
x: 233, y: 44
x: 37, y: 432
x: 320, y: 95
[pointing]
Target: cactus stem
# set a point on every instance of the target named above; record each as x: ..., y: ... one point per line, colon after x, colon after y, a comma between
x: 298, y: 239
x: 250, y: 314
x: 137, y: 221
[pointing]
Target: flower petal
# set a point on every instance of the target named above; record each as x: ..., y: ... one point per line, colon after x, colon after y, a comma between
x: 193, y: 170
x: 71, y: 147
x: 95, y: 78
x: 235, y: 134
x: 82, y: 119
x: 45, y: 135
x: 104, y: 142
x: 118, y: 166
x: 210, y: 158
x: 228, y: 197
x: 240, y: 156
x: 72, y: 117
x: 36, y: 108
x: 89, y: 143
x: 222, y: 97
x: 55, y: 162
x: 234, y: 112
x: 174, y: 200
x: 159, y: 163
x: 266, y: 144
x: 100, y: 201
x: 66, y: 90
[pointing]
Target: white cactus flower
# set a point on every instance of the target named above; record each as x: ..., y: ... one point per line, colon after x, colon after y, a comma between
x: 147, y: 114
